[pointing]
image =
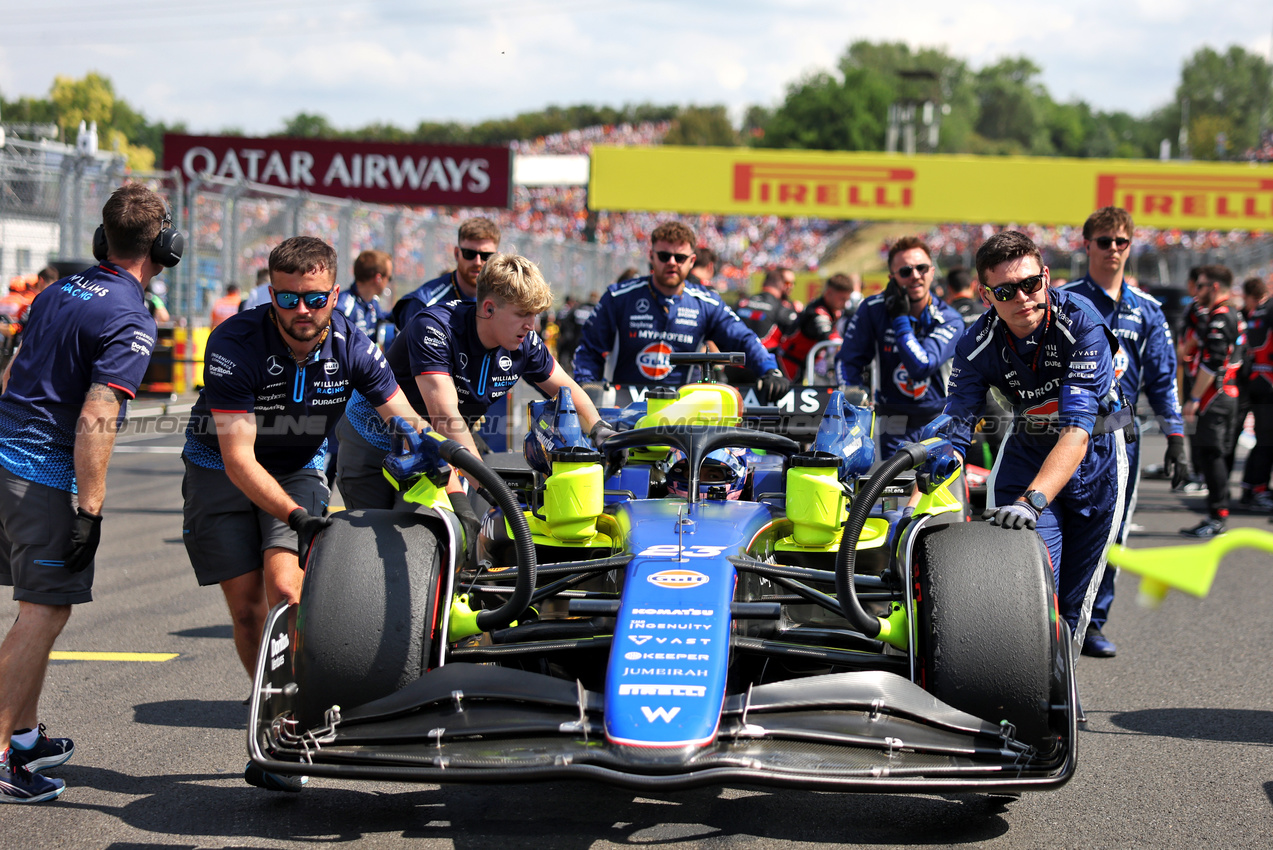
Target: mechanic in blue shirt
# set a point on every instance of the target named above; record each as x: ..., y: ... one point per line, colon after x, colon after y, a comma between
x: 1063, y: 466
x: 477, y: 242
x: 360, y: 303
x: 913, y: 336
x: 85, y: 349
x: 639, y: 322
x: 276, y: 379
x: 454, y: 361
x: 1146, y: 358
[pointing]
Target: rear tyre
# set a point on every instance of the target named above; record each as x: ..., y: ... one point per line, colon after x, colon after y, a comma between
x: 987, y: 624
x: 369, y: 607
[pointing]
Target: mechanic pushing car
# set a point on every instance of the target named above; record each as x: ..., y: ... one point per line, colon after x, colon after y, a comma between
x: 1146, y: 358
x: 85, y: 350
x: 275, y: 380
x: 476, y: 243
x: 913, y: 336
x: 1063, y: 466
x: 454, y: 361
x: 640, y: 321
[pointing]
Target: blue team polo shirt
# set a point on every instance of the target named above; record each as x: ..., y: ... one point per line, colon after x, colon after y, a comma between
x: 443, y: 340
x: 248, y: 368
x: 88, y: 328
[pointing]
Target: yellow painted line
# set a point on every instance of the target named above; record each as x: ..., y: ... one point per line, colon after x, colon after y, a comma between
x: 112, y: 656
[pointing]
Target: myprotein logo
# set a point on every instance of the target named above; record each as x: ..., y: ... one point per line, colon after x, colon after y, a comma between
x: 678, y: 578
x: 1244, y: 200
x: 820, y: 187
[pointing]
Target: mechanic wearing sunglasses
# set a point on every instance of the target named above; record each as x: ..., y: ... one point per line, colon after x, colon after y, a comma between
x: 454, y: 362
x: 477, y: 242
x: 640, y: 321
x: 1146, y: 359
x: 1062, y: 466
x: 911, y: 336
x: 276, y: 379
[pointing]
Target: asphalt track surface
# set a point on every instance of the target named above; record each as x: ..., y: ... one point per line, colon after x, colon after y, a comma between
x: 1177, y: 752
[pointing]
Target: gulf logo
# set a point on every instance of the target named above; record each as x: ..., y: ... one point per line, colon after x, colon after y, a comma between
x: 678, y: 578
x: 652, y: 361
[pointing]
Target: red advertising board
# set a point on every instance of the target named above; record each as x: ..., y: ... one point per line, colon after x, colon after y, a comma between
x: 376, y: 172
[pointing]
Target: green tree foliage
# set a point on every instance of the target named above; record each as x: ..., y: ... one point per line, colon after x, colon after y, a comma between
x: 702, y: 125
x: 1227, y: 93
x: 826, y: 111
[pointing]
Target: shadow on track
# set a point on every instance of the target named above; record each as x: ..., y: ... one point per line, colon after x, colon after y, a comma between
x: 540, y: 816
x: 1235, y: 725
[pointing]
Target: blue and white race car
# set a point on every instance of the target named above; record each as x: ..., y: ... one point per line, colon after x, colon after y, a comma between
x: 697, y: 603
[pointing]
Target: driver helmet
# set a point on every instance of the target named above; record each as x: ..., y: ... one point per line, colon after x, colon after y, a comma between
x: 723, y: 468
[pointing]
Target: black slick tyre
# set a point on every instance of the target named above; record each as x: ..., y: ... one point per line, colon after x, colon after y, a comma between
x: 987, y: 624
x: 369, y: 608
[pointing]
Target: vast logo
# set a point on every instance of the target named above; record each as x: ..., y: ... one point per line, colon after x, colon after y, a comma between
x: 652, y: 361
x: 813, y: 186
x: 678, y: 578
x: 1239, y: 198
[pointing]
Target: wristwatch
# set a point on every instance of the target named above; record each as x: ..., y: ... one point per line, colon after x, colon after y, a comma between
x: 1037, y: 500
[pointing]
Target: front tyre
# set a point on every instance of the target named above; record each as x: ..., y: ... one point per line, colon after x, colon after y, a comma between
x: 987, y: 624
x: 368, y: 611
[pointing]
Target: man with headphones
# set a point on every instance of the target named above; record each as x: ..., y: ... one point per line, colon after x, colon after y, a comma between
x: 86, y: 346
x: 454, y: 361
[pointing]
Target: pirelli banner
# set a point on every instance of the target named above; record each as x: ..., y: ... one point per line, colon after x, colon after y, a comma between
x: 890, y: 187
x: 376, y: 172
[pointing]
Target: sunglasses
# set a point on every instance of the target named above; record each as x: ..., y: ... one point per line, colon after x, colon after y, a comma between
x: 919, y: 271
x: 473, y: 254
x: 1103, y: 242
x: 313, y: 300
x: 664, y: 256
x: 1008, y: 291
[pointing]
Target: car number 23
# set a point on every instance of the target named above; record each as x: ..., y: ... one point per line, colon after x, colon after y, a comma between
x: 671, y: 550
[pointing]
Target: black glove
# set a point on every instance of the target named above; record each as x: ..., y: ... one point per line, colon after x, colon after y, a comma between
x: 773, y: 385
x: 1015, y: 515
x: 1174, y: 463
x: 306, y: 528
x: 896, y: 301
x: 463, y: 508
x: 601, y: 432
x: 86, y: 533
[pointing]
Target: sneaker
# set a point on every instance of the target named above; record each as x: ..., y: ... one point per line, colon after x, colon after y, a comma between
x: 261, y: 778
x: 1097, y: 645
x: 19, y: 785
x: 47, y: 752
x: 1193, y: 487
x: 1206, y: 529
x: 1260, y: 502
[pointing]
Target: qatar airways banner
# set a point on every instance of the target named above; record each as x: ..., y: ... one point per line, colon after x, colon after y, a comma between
x: 375, y: 172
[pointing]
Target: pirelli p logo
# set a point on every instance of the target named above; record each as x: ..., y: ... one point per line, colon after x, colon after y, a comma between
x: 816, y: 188
x: 1243, y: 200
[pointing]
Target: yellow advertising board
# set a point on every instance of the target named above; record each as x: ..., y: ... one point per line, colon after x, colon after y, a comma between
x: 891, y: 187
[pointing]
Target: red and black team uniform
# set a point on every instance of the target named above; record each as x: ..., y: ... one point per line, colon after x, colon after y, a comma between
x: 769, y: 316
x: 1220, y: 348
x: 816, y: 324
x: 1259, y: 387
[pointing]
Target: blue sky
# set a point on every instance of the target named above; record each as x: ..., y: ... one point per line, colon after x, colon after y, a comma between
x: 250, y: 63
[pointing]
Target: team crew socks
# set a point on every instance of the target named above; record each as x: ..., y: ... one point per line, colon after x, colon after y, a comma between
x: 24, y: 739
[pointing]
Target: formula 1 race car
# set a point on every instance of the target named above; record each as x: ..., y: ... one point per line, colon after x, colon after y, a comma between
x: 696, y: 603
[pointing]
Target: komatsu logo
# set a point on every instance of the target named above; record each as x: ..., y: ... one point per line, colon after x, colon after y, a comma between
x: 678, y: 578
